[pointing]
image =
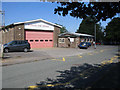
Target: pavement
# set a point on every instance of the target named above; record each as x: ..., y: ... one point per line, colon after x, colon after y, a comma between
x: 69, y: 71
x: 12, y: 58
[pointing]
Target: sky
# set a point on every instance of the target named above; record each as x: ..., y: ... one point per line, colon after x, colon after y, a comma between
x: 25, y: 11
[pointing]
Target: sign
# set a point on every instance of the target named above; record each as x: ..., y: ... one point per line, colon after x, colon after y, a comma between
x: 71, y: 39
x: 39, y: 26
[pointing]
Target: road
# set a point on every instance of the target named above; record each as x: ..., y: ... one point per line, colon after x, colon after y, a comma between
x: 41, y: 54
x: 27, y: 74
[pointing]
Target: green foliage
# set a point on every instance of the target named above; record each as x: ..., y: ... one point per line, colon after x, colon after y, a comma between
x: 113, y: 30
x: 101, y: 10
x: 87, y: 26
x: 99, y: 33
x: 63, y: 30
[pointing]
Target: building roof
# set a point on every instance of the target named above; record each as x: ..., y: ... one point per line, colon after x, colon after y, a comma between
x: 76, y: 34
x: 31, y: 21
x: 37, y: 20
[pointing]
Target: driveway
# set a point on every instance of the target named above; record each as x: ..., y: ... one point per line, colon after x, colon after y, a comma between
x: 79, y: 70
x: 41, y: 54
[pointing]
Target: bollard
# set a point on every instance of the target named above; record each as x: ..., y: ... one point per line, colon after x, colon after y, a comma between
x: 1, y: 53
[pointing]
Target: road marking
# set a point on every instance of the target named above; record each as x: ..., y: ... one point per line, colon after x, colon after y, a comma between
x: 109, y: 61
x: 90, y: 54
x: 116, y: 56
x: 80, y: 56
x: 50, y: 85
x: 63, y: 59
x: 101, y: 50
x: 74, y: 79
x: 32, y: 87
x: 95, y: 52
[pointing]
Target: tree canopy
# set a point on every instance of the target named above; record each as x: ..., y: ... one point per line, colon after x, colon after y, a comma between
x: 101, y: 10
x: 63, y: 29
x: 85, y: 27
x: 113, y: 30
x: 88, y: 27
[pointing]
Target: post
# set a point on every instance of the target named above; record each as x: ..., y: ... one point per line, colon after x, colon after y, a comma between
x: 95, y: 36
x: 2, y: 25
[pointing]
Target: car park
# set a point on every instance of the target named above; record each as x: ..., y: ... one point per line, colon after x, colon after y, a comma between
x: 83, y: 45
x: 16, y: 45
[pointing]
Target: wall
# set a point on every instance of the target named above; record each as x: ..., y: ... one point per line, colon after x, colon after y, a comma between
x: 19, y: 32
x: 68, y: 44
x: 8, y: 35
x: 56, y: 32
x: 13, y: 33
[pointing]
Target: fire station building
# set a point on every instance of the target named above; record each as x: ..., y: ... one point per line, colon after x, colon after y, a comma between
x: 39, y: 33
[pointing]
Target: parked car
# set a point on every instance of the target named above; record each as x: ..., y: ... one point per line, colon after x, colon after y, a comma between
x: 98, y: 43
x: 16, y: 45
x: 83, y: 45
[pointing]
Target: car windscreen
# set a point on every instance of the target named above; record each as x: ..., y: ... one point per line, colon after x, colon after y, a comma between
x: 82, y: 43
x: 10, y: 42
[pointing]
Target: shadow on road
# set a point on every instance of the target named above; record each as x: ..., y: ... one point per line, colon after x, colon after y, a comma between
x: 20, y: 51
x: 8, y: 56
x: 85, y: 76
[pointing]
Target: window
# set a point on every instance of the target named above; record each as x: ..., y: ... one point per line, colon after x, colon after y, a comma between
x: 31, y: 40
x: 24, y: 42
x: 13, y: 43
x: 61, y: 40
x: 46, y: 40
x: 41, y: 40
x: 50, y: 40
x: 36, y: 40
x: 19, y: 42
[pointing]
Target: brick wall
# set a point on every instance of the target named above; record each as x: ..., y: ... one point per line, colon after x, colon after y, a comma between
x: 19, y: 32
x: 67, y: 43
x: 55, y: 36
x: 13, y: 33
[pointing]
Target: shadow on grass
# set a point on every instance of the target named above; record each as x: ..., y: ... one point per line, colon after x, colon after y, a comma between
x: 85, y: 76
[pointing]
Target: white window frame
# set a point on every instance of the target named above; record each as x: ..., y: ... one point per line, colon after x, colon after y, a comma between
x: 61, y: 40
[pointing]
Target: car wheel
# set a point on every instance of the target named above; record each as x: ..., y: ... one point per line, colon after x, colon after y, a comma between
x: 6, y: 50
x: 25, y: 50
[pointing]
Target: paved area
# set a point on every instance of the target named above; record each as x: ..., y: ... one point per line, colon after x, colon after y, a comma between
x: 62, y: 69
x: 41, y: 54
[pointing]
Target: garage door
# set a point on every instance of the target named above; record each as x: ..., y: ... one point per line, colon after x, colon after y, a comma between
x: 39, y: 39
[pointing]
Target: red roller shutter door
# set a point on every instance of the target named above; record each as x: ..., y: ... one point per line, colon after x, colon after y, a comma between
x: 39, y: 39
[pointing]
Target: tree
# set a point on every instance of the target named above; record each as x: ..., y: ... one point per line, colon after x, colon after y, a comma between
x: 101, y: 10
x: 63, y: 29
x: 87, y: 26
x: 99, y: 33
x: 113, y: 30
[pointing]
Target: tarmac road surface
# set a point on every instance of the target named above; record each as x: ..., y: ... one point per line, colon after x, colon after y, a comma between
x: 27, y: 74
